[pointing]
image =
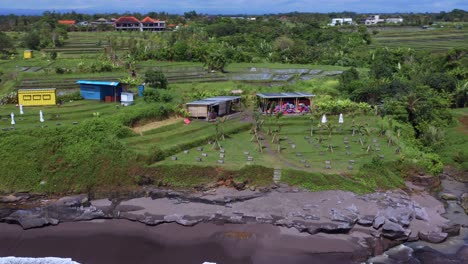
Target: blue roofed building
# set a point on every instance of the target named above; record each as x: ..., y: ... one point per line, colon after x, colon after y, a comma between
x: 100, y: 90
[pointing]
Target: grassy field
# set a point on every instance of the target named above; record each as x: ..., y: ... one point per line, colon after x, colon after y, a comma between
x: 54, y: 116
x: 299, y: 150
x: 455, y: 150
x: 432, y: 39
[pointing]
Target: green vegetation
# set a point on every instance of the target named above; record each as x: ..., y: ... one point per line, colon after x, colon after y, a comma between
x: 434, y: 39
x: 395, y: 85
x: 455, y: 148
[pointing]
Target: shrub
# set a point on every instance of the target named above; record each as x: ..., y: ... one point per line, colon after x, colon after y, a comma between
x: 59, y: 70
x: 11, y: 98
x: 157, y: 95
x: 75, y: 96
x: 329, y: 105
x: 156, y: 79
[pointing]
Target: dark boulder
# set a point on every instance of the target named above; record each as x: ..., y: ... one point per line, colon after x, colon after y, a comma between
x: 395, y: 231
x: 433, y: 237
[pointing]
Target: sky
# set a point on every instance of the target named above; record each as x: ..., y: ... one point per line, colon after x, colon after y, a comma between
x: 235, y: 6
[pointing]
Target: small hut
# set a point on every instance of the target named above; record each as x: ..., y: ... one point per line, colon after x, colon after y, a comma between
x: 288, y: 102
x: 100, y: 90
x: 210, y: 108
x: 37, y: 97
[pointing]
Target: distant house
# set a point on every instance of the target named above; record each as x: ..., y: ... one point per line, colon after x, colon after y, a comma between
x: 149, y: 24
x: 372, y: 20
x: 375, y: 19
x: 394, y: 20
x: 100, y: 90
x: 341, y: 21
x: 288, y: 103
x: 67, y: 22
x: 131, y: 23
x: 83, y: 23
x: 210, y: 108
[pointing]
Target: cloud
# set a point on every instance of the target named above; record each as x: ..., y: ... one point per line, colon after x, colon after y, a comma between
x: 240, y: 6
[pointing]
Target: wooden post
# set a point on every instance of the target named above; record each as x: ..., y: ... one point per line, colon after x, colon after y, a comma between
x: 296, y: 105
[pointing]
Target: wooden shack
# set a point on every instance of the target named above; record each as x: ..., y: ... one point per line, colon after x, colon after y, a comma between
x: 37, y: 97
x: 210, y: 108
x: 287, y: 102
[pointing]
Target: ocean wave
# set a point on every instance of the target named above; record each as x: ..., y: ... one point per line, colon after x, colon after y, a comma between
x: 48, y: 260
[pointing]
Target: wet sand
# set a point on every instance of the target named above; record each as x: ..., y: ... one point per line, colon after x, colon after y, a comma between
x: 122, y: 241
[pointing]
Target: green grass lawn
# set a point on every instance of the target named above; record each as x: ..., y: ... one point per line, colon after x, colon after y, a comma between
x: 54, y: 116
x: 455, y: 150
x: 237, y: 148
x: 178, y: 137
x: 298, y: 148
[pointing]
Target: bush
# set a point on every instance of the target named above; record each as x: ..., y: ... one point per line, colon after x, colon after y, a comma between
x: 11, y: 98
x: 156, y: 79
x: 332, y: 106
x: 59, y: 70
x: 157, y: 95
x: 75, y: 96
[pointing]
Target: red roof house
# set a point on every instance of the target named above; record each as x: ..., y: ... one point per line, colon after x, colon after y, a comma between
x: 132, y: 23
x: 67, y: 22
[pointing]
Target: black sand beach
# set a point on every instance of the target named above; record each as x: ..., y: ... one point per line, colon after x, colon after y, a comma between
x: 122, y: 241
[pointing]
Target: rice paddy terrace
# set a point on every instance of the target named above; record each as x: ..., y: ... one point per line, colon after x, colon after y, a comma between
x: 430, y: 39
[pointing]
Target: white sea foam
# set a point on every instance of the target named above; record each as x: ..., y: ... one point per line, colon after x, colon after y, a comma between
x: 48, y: 260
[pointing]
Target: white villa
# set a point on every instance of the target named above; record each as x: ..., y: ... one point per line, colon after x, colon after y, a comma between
x: 341, y: 21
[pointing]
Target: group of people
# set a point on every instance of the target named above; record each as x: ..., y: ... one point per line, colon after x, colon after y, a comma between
x: 289, y: 108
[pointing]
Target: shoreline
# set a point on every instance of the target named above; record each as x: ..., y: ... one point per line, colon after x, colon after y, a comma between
x: 123, y: 241
x: 342, y: 226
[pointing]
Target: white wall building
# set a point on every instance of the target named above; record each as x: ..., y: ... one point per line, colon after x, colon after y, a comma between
x: 372, y: 20
x: 395, y: 20
x: 341, y: 21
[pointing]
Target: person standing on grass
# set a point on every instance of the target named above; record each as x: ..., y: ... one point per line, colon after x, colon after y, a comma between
x: 133, y: 74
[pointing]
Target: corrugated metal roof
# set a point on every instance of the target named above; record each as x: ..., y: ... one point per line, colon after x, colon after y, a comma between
x: 98, y: 83
x: 285, y: 95
x: 36, y: 90
x: 214, y: 100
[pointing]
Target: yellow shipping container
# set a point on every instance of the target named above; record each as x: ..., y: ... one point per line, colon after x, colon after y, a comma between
x: 33, y: 97
x: 27, y: 54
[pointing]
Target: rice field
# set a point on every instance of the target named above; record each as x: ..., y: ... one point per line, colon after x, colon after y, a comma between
x: 430, y: 39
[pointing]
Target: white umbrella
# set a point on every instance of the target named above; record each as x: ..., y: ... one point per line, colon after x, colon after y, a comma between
x: 41, y: 116
x: 324, y: 119
x: 340, y: 120
x: 13, y: 119
x: 21, y: 110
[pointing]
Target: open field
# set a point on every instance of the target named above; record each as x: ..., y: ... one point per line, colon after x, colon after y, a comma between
x: 432, y: 39
x: 67, y: 114
x: 299, y: 150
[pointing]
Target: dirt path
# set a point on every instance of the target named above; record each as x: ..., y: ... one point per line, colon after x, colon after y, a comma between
x: 156, y: 124
x: 463, y: 128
